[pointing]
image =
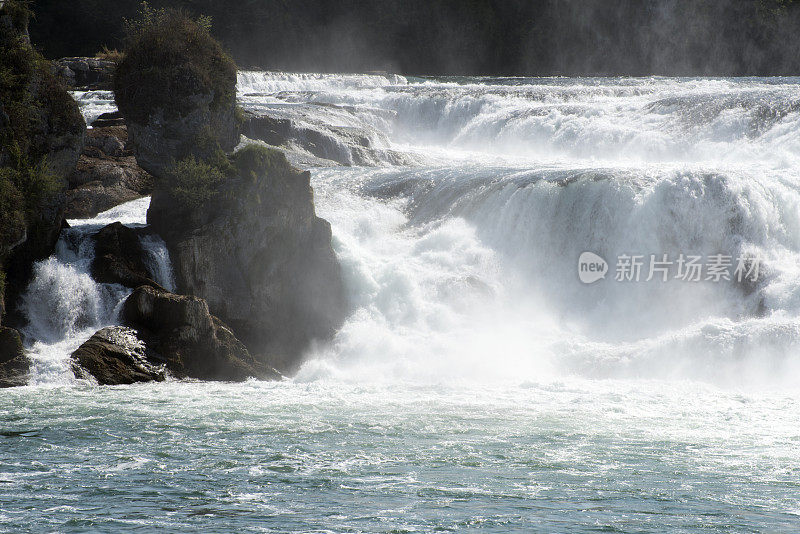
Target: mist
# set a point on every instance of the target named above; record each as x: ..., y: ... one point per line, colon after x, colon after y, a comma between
x: 479, y: 37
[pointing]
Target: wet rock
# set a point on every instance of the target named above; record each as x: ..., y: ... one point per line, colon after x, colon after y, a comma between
x: 119, y: 258
x: 243, y: 237
x: 111, y: 118
x: 191, y: 341
x: 115, y: 355
x: 108, y: 141
x: 260, y: 256
x: 320, y: 134
x: 14, y: 365
x: 106, y: 175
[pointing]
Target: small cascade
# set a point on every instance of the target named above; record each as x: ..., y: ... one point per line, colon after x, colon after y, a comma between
x: 158, y: 262
x: 64, y: 306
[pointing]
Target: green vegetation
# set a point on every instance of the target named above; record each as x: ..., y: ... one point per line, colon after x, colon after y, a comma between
x: 170, y: 55
x: 192, y: 182
x: 239, y: 116
x: 208, y: 148
x: 32, y: 101
x: 254, y: 161
x: 19, y: 11
x: 12, y: 220
x: 110, y: 55
x: 34, y: 182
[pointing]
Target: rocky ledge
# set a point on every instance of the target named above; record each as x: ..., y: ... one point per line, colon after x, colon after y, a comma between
x: 119, y: 257
x: 258, y: 253
x: 166, y: 333
x: 106, y: 174
x: 14, y: 365
x: 85, y: 72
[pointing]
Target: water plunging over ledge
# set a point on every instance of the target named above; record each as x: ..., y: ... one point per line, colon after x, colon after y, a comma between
x: 479, y: 384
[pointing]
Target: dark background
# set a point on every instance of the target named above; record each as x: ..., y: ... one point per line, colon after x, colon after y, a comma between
x: 451, y: 37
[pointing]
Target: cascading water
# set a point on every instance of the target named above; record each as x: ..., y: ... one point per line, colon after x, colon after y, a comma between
x: 479, y: 384
x: 64, y: 306
x: 480, y: 194
x: 518, y: 178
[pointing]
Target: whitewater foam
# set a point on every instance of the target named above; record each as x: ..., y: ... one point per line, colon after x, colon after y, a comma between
x: 63, y: 304
x: 460, y: 227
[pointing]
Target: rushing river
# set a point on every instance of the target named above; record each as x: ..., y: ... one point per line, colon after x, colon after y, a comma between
x: 479, y: 384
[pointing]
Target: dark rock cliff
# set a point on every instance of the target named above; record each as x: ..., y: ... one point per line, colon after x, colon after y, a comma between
x: 241, y: 230
x: 41, y: 136
x: 259, y: 255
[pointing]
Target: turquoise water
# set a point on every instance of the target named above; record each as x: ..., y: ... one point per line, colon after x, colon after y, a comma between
x: 577, y: 456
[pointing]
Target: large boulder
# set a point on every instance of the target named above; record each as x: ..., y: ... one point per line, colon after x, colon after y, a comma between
x: 176, y: 88
x: 191, y: 341
x: 259, y: 255
x: 119, y: 257
x: 115, y: 355
x: 14, y: 365
x: 106, y: 175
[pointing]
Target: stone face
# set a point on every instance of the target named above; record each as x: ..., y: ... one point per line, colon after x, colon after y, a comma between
x: 191, y: 341
x: 111, y: 118
x: 261, y: 258
x: 253, y: 248
x: 115, y: 355
x: 163, y: 141
x: 119, y: 257
x: 106, y: 175
x: 176, y: 88
x: 320, y: 134
x: 14, y: 365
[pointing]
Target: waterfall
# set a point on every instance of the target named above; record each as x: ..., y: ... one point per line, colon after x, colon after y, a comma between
x: 460, y: 208
x: 464, y: 261
x: 64, y: 306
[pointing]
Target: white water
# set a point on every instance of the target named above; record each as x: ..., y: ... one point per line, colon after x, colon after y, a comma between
x: 478, y: 385
x: 466, y: 265
x: 65, y: 306
x: 460, y: 241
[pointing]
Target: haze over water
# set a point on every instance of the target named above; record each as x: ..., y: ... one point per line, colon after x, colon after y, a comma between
x: 478, y: 384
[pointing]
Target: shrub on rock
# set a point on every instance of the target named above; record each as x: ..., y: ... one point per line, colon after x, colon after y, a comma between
x: 174, y: 85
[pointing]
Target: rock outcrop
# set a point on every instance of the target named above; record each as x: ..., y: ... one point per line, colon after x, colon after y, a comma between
x: 14, y: 365
x: 115, y: 355
x: 41, y: 136
x: 176, y: 88
x: 165, y: 334
x: 110, y: 118
x: 259, y: 255
x: 319, y: 132
x: 85, y: 72
x: 242, y: 232
x: 192, y: 342
x: 106, y: 175
x: 119, y: 258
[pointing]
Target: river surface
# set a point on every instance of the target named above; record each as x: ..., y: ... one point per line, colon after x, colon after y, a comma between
x: 479, y: 384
